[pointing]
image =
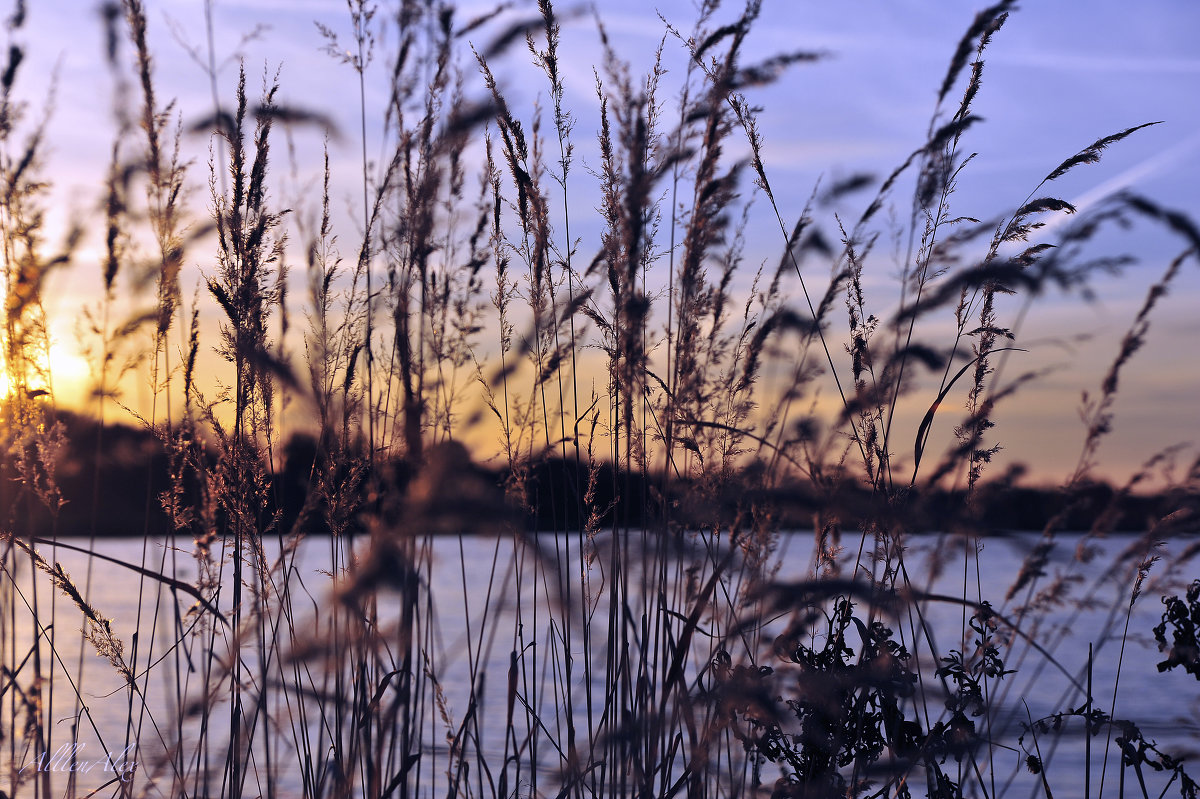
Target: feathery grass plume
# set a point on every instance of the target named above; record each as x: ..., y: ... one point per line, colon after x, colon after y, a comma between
x: 746, y: 119
x: 1092, y: 153
x: 31, y: 439
x: 250, y: 248
x: 630, y: 152
x: 164, y: 182
x: 1097, y: 412
x: 983, y: 27
x: 705, y: 225
x: 97, y: 629
x: 26, y: 344
x: 361, y: 17
x: 455, y: 314
x: 1098, y: 416
x: 331, y: 343
x: 426, y: 152
x: 577, y: 297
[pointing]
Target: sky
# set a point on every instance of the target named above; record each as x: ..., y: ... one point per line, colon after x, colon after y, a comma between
x: 1054, y: 82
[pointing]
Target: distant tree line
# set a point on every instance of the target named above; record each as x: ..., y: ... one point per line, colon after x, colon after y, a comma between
x: 110, y: 480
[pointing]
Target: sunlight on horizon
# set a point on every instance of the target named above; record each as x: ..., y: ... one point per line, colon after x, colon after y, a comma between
x: 822, y: 121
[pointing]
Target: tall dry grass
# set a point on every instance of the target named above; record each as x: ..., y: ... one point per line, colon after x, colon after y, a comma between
x: 648, y: 646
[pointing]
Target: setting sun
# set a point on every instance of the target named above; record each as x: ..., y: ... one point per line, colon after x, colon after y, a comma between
x: 65, y: 376
x: 69, y: 375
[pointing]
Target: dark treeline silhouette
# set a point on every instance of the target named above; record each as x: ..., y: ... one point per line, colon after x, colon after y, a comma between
x: 110, y: 481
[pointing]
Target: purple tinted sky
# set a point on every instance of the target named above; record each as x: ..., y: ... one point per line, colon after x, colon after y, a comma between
x: 1055, y: 81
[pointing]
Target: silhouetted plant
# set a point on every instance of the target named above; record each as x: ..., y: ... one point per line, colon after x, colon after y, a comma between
x: 1182, y: 616
x: 645, y: 655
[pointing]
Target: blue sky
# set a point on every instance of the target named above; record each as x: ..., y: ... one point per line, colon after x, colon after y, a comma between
x: 1056, y: 80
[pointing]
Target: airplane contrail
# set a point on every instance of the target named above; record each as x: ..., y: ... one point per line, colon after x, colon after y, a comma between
x: 1138, y: 172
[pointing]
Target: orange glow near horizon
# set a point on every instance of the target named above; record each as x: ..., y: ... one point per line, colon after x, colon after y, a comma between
x: 860, y: 129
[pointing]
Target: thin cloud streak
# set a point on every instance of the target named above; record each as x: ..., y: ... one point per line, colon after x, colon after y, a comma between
x: 1091, y: 64
x: 1138, y: 173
